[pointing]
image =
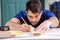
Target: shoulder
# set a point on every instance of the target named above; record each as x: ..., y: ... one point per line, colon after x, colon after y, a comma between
x: 47, y: 11
x: 22, y: 12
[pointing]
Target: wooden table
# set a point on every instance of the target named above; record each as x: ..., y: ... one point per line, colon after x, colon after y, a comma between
x: 54, y: 33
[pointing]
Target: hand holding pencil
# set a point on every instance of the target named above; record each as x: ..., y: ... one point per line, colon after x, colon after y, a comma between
x: 23, y: 20
x: 24, y: 27
x: 34, y: 33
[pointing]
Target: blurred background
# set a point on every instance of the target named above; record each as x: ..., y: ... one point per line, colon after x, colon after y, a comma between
x: 9, y: 8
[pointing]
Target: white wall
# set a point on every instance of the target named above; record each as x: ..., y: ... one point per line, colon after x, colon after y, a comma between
x: 52, y: 1
x: 47, y: 4
x: 0, y: 12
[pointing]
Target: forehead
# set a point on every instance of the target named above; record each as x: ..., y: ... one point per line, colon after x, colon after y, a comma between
x: 31, y: 13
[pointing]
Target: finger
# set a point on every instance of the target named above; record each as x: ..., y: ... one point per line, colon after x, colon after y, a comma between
x: 24, y: 28
x: 40, y: 31
x: 26, y: 25
x: 40, y: 28
x: 15, y: 28
x: 36, y: 29
x: 44, y: 29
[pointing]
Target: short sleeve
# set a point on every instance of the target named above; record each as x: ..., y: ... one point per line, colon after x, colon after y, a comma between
x: 48, y: 14
x: 19, y: 15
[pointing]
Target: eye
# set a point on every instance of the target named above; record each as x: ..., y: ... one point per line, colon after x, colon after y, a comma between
x: 36, y: 16
x: 30, y: 16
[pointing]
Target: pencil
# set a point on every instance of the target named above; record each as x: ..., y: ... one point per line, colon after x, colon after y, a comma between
x: 23, y: 20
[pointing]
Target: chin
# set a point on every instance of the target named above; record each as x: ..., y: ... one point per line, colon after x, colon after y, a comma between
x: 34, y: 24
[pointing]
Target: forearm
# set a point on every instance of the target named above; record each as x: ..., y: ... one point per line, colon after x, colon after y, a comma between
x: 12, y: 25
x: 45, y: 25
x: 54, y: 22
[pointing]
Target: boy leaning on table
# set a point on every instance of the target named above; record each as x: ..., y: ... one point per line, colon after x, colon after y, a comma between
x: 34, y: 16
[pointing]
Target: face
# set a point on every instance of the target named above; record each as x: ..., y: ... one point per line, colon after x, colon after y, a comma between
x: 33, y: 17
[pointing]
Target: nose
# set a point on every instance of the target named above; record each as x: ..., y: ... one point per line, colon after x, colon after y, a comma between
x: 33, y: 19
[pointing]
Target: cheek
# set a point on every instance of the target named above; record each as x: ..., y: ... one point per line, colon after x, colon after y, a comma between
x: 29, y: 18
x: 38, y: 17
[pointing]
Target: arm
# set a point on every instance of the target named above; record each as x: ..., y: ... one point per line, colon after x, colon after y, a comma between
x: 44, y: 26
x: 51, y: 21
x: 51, y: 18
x: 54, y: 21
x: 14, y: 24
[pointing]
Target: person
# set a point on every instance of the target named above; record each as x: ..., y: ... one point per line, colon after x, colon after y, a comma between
x: 34, y: 16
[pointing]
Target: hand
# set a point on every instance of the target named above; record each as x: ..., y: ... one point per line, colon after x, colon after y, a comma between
x: 25, y: 27
x: 43, y: 27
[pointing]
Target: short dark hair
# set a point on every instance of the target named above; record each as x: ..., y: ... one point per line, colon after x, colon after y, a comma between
x: 34, y: 6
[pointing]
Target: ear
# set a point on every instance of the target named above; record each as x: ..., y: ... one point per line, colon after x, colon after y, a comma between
x: 41, y: 12
x: 26, y: 12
